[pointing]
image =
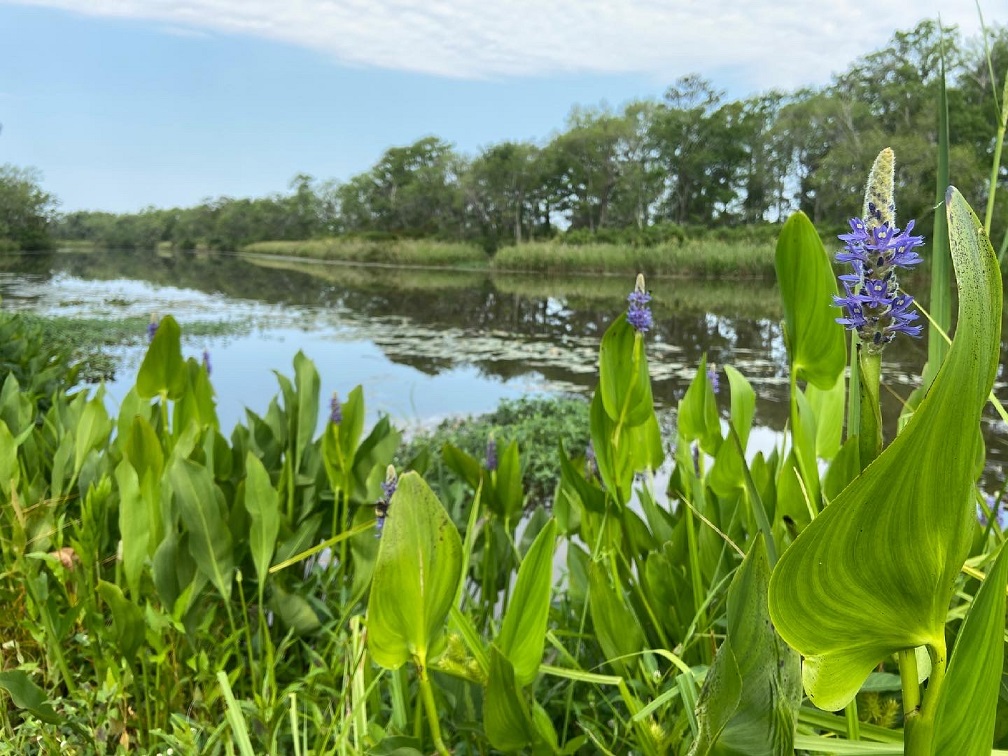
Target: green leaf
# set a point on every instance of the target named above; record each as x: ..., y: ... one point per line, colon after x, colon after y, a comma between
x: 749, y: 702
x: 698, y: 412
x: 873, y: 573
x: 828, y: 408
x: 163, y: 370
x: 93, y: 429
x: 127, y: 619
x: 415, y: 575
x: 294, y: 610
x: 306, y: 378
x: 616, y: 627
x: 263, y: 504
x: 815, y: 341
x: 509, y: 725
x: 624, y: 382
x: 743, y: 403
x: 134, y: 525
x: 28, y: 696
x: 523, y: 629
x: 964, y: 720
x: 201, y: 512
x: 508, y: 482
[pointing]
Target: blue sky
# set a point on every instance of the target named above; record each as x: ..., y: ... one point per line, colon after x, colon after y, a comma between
x: 123, y: 104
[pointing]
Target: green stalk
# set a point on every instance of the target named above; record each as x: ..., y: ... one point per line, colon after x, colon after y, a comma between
x: 908, y: 681
x: 432, y: 716
x: 941, y: 258
x: 854, y: 389
x: 919, y: 729
x: 998, y: 143
x: 694, y: 561
x: 853, y: 723
x: 870, y: 437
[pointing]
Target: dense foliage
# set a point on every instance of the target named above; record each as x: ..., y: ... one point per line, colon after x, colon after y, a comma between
x: 26, y: 210
x: 653, y: 172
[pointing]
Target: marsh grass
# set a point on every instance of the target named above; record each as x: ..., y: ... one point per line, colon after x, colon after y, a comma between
x: 706, y: 258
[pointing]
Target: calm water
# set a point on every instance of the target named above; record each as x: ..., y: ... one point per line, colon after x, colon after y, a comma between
x: 427, y: 344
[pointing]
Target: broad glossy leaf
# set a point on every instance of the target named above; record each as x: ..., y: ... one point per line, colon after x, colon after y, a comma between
x: 814, y: 339
x: 523, y: 629
x: 93, y: 429
x: 508, y: 482
x: 163, y: 370
x: 209, y: 537
x: 749, y: 703
x: 873, y: 573
x: 964, y: 720
x: 306, y: 378
x: 624, y: 382
x: 263, y: 504
x: 294, y: 610
x: 415, y: 575
x: 9, y: 468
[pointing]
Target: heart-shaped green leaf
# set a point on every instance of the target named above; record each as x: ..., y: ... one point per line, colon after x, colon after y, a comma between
x: 415, y: 575
x: 815, y: 341
x: 874, y: 573
x: 162, y: 370
x: 623, y: 374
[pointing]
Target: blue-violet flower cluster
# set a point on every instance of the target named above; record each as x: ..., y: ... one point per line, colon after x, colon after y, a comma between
x: 874, y: 306
x: 335, y: 410
x: 638, y: 313
x: 491, y: 454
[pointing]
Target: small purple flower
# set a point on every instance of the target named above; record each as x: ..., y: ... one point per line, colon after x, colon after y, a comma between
x: 491, y: 454
x: 382, y: 505
x: 873, y: 304
x: 335, y: 410
x: 206, y: 361
x: 152, y: 327
x: 712, y: 376
x: 638, y: 313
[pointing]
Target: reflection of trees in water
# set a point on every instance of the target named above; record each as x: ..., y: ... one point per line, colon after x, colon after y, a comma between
x: 534, y: 332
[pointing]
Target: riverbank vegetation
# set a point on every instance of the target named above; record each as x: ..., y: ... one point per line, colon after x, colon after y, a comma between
x: 649, y: 175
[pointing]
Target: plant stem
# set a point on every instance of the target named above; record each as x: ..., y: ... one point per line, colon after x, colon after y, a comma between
x: 870, y: 438
x: 853, y: 724
x: 919, y: 729
x: 908, y: 680
x: 428, y: 698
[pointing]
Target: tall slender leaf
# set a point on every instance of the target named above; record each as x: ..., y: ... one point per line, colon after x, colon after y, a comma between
x: 263, y: 504
x: 163, y: 370
x: 523, y: 629
x: 940, y: 305
x: 964, y: 721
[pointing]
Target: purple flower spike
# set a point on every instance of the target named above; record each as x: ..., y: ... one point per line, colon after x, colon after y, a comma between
x: 873, y: 304
x: 335, y: 410
x: 712, y: 376
x: 206, y: 361
x: 152, y: 327
x: 638, y: 313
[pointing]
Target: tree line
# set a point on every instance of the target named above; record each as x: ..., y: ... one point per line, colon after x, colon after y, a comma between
x: 642, y: 174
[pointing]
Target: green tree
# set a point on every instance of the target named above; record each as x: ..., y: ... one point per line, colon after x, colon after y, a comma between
x: 26, y: 210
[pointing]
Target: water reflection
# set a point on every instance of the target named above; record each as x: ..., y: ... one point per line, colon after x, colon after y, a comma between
x: 430, y: 342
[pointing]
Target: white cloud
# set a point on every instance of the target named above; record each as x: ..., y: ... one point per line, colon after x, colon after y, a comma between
x: 782, y: 43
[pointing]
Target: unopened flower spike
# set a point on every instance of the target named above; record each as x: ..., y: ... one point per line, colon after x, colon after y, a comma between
x: 873, y: 303
x: 382, y: 505
x: 638, y: 313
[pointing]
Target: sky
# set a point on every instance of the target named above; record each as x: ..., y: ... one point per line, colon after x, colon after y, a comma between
x: 124, y: 104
